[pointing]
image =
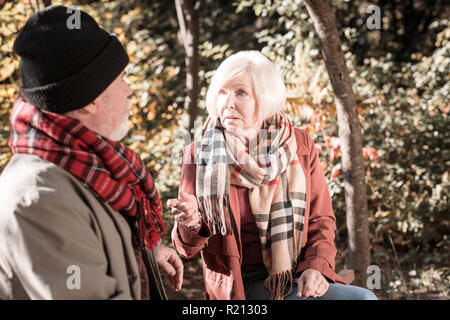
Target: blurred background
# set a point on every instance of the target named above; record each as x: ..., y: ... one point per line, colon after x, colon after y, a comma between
x: 400, y: 76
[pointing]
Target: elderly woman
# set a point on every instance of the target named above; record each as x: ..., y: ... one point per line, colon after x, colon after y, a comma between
x: 253, y: 198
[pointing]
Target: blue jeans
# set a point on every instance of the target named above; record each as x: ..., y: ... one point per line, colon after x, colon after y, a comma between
x: 255, y: 290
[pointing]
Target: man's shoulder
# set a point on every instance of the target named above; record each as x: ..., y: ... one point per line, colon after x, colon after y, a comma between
x: 28, y: 171
x: 28, y: 178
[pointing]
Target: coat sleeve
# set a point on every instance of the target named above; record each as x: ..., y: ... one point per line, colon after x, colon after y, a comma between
x: 320, y: 250
x: 186, y: 241
x: 55, y: 252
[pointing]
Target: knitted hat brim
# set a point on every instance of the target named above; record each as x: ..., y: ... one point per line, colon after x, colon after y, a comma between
x: 83, y: 87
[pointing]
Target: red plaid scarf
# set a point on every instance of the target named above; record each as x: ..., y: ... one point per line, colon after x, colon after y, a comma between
x: 113, y: 172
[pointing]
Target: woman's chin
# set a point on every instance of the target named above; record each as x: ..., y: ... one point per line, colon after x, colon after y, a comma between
x: 233, y: 129
x: 231, y: 125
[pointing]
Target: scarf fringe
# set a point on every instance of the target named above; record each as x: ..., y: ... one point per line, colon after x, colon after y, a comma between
x: 276, y: 284
x: 149, y: 228
x: 217, y: 213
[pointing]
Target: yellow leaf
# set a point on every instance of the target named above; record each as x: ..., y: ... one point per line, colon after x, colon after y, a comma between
x: 131, y: 47
x: 152, y: 106
x: 7, y: 68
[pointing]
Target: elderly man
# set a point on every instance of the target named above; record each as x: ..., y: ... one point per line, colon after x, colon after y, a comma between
x: 79, y: 214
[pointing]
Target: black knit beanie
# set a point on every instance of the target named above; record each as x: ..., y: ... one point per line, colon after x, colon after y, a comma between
x: 65, y: 69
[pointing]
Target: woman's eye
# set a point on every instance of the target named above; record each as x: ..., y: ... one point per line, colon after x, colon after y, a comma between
x: 241, y: 92
x: 222, y: 91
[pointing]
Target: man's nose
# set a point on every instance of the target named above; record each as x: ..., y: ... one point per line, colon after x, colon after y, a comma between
x: 128, y: 90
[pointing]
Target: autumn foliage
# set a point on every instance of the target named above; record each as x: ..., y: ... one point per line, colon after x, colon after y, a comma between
x: 400, y: 79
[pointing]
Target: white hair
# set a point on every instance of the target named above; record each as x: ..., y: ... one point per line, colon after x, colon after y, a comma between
x: 268, y: 85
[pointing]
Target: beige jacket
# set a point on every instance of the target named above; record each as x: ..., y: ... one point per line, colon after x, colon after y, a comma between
x: 57, y: 240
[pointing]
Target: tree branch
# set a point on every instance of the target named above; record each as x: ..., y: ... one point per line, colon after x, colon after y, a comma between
x: 179, y: 4
x: 198, y: 6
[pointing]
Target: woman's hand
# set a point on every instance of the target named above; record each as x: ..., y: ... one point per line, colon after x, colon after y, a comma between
x: 312, y: 284
x: 185, y: 209
x: 171, y: 266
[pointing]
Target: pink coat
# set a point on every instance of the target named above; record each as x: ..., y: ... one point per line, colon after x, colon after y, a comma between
x: 221, y: 255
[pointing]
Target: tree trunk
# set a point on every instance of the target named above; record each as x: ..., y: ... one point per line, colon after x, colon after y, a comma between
x: 358, y: 256
x: 188, y: 15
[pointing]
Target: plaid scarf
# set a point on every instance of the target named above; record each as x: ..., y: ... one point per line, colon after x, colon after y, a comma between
x: 270, y: 168
x: 113, y: 172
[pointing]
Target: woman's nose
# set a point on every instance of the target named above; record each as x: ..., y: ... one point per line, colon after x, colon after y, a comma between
x: 230, y: 103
